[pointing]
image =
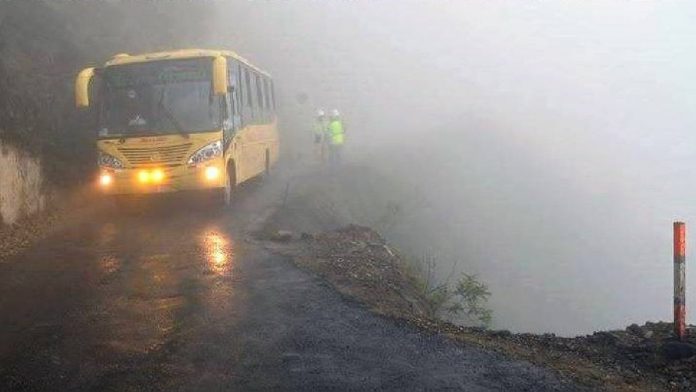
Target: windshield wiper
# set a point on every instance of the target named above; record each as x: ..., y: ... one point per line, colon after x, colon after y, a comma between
x: 177, y: 125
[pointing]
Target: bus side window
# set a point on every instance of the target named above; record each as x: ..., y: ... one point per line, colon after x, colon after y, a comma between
x: 249, y: 97
x: 233, y: 105
x: 226, y: 108
x: 242, y: 90
x: 259, y: 98
x: 240, y: 96
x: 266, y: 96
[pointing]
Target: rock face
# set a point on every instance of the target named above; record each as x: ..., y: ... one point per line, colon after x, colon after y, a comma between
x: 20, y: 185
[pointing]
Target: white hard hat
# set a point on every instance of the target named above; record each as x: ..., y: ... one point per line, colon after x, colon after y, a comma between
x: 335, y: 113
x: 320, y: 113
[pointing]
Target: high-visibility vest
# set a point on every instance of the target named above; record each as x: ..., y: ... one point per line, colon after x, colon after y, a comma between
x: 336, y: 132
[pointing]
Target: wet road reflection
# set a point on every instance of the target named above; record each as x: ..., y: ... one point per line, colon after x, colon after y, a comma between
x: 106, y: 234
x: 107, y: 304
x: 218, y: 251
x: 109, y: 264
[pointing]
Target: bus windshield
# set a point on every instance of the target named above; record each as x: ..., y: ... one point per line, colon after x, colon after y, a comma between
x: 159, y: 97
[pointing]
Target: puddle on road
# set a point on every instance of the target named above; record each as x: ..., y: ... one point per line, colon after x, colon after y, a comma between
x: 217, y: 248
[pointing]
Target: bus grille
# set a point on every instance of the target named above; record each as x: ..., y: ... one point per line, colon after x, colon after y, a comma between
x: 170, y: 155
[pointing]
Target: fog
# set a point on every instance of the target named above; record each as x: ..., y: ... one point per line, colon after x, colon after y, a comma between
x: 552, y: 143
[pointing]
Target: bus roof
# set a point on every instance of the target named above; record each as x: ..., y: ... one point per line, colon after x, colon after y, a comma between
x: 121, y: 59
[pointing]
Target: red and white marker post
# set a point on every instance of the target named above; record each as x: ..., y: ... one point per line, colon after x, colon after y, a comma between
x: 680, y: 280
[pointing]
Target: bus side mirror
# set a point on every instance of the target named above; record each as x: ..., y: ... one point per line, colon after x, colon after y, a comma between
x: 82, y: 87
x: 219, y: 75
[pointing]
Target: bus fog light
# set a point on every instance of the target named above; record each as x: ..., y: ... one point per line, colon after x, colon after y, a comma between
x: 143, y: 176
x: 106, y: 179
x: 157, y: 175
x: 211, y: 173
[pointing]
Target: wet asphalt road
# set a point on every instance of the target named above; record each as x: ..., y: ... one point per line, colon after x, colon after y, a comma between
x: 166, y: 299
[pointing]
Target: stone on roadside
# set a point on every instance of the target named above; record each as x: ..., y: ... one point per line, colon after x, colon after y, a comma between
x: 675, y: 350
x: 281, y: 236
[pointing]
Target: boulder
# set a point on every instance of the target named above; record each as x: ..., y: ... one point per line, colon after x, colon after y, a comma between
x: 675, y: 350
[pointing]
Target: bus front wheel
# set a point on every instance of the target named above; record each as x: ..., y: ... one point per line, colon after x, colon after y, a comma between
x: 267, y: 165
x: 230, y: 184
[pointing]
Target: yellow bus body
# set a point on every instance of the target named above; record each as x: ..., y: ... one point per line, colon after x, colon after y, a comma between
x: 167, y: 154
x: 158, y: 163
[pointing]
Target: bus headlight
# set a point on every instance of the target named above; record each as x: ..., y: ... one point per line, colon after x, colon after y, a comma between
x: 105, y: 179
x: 106, y: 160
x: 211, y: 151
x: 212, y: 173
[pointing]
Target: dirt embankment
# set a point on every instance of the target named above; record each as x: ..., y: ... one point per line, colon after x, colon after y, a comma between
x: 67, y: 208
x: 21, y: 193
x: 360, y: 264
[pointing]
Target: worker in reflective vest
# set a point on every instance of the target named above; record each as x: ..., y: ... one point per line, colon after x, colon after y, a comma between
x: 336, y: 137
x: 320, y: 130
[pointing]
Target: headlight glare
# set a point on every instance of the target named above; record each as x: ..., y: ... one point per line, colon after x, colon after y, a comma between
x: 143, y: 176
x: 211, y: 173
x: 105, y: 179
x: 157, y: 175
x: 210, y: 151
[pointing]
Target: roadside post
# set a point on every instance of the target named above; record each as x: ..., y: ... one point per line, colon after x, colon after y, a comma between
x: 680, y: 280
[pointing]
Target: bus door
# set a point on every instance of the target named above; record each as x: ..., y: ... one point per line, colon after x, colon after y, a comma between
x: 233, y: 120
x: 244, y: 151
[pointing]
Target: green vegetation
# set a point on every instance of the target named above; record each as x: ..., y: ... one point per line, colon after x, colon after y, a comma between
x: 463, y: 302
x: 469, y: 297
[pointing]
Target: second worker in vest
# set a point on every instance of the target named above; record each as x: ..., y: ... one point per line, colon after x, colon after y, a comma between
x: 320, y: 130
x: 336, y: 137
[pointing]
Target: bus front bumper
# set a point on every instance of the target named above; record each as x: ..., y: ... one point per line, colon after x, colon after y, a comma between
x: 161, y: 180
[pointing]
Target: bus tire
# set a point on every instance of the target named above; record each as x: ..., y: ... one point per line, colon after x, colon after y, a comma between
x: 230, y: 185
x: 267, y: 167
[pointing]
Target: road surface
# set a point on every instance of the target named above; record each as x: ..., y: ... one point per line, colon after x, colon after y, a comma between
x: 166, y: 299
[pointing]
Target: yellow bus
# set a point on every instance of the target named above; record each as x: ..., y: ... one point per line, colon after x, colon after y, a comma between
x: 181, y: 120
